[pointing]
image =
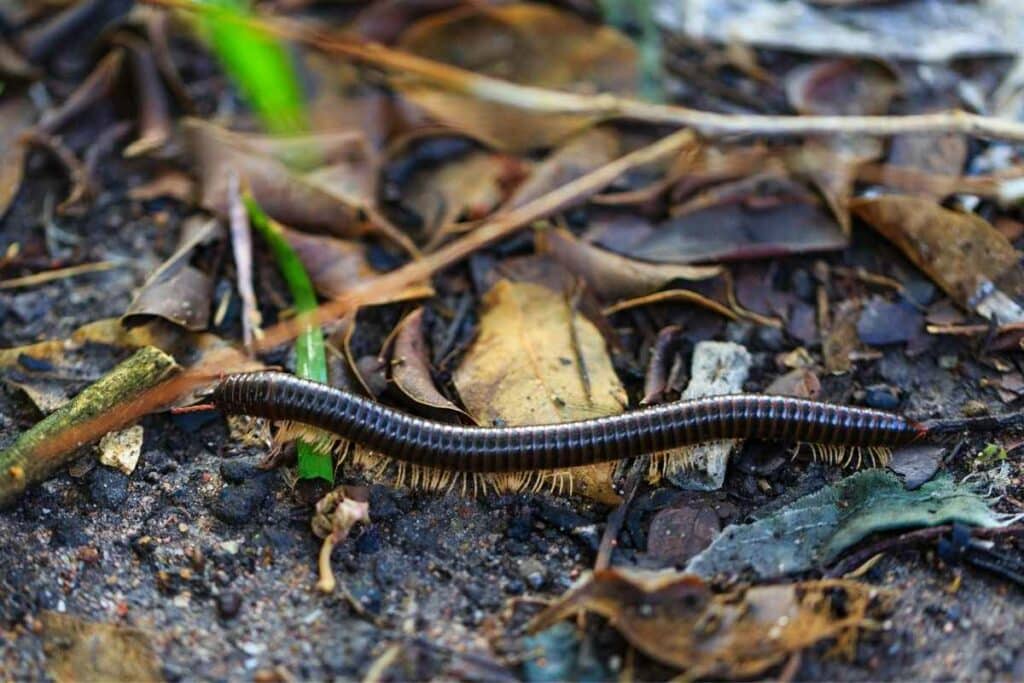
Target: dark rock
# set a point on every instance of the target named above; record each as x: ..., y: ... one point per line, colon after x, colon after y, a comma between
x: 882, y: 322
x: 237, y: 470
x: 803, y: 285
x: 916, y: 463
x: 68, y: 532
x: 514, y: 587
x: 919, y: 292
x: 228, y: 604
x: 677, y: 534
x: 238, y: 504
x: 108, y: 487
x: 770, y: 338
x: 369, y: 542
x: 31, y: 306
x: 882, y: 397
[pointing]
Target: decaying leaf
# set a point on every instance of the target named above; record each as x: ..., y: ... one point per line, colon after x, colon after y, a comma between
x: 537, y: 361
x: 410, y: 367
x: 962, y: 253
x: 529, y: 44
x: 612, y: 276
x: 80, y: 651
x: 677, y: 619
x: 815, y: 529
x: 324, y: 182
x: 178, y: 291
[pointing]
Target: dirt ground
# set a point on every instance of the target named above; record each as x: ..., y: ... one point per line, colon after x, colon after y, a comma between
x: 213, y: 558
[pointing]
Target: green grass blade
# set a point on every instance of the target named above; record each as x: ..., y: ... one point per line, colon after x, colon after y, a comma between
x: 310, y: 357
x: 258, y: 64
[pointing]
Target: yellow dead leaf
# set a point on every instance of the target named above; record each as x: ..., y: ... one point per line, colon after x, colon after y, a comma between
x: 962, y: 253
x: 528, y: 44
x: 537, y: 361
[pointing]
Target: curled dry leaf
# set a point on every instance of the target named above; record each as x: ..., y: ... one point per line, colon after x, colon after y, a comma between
x: 612, y: 276
x: 528, y: 44
x: 410, y: 367
x: 962, y: 253
x: 537, y: 361
x: 678, y: 620
x: 178, y: 291
x: 324, y: 182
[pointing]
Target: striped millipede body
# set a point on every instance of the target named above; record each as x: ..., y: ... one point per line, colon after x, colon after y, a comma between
x: 409, y: 439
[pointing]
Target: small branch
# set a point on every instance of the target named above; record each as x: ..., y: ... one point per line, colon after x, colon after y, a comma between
x: 910, y: 539
x: 607, y: 106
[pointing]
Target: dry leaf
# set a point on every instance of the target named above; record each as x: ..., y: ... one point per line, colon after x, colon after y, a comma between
x: 678, y: 620
x: 962, y: 253
x: 177, y: 291
x: 324, y: 182
x: 537, y: 361
x: 84, y: 651
x: 577, y: 157
x: 410, y: 367
x: 611, y: 276
x: 528, y: 44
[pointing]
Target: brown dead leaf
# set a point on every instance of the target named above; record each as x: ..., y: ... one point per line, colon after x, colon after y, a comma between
x: 578, y: 156
x: 178, y: 291
x: 168, y: 183
x: 962, y: 253
x: 324, y: 182
x: 334, y: 265
x: 410, y: 368
x: 841, y: 87
x: 611, y: 276
x: 537, y: 361
x: 678, y: 620
x: 78, y: 650
x: 528, y: 44
x: 469, y: 187
x: 16, y: 115
x: 798, y: 382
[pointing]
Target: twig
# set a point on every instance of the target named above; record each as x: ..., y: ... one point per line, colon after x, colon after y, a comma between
x: 59, y: 274
x: 912, y: 538
x: 607, y: 106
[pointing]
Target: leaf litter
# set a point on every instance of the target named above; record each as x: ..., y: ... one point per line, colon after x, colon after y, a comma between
x: 626, y: 276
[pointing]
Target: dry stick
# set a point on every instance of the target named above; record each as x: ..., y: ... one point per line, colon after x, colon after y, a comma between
x: 607, y: 106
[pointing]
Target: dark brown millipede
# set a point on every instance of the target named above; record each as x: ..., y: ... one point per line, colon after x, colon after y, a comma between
x: 403, y: 437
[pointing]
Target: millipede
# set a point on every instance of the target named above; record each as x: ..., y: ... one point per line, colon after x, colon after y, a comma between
x: 443, y: 450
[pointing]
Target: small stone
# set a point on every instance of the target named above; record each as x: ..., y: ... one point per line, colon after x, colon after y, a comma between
x: 534, y: 573
x: 974, y: 408
x: 228, y: 604
x: 948, y: 361
x: 514, y: 587
x: 803, y: 285
x: 237, y: 505
x: 108, y: 487
x: 882, y: 397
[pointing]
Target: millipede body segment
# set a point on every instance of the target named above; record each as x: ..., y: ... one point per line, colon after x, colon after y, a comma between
x: 405, y: 438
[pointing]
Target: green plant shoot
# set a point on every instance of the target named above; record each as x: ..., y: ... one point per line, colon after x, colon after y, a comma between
x: 310, y: 357
x: 258, y: 64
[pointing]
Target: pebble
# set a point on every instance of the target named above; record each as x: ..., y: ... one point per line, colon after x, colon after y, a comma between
x: 108, y: 487
x: 882, y: 397
x: 228, y: 604
x: 237, y: 505
x: 534, y: 573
